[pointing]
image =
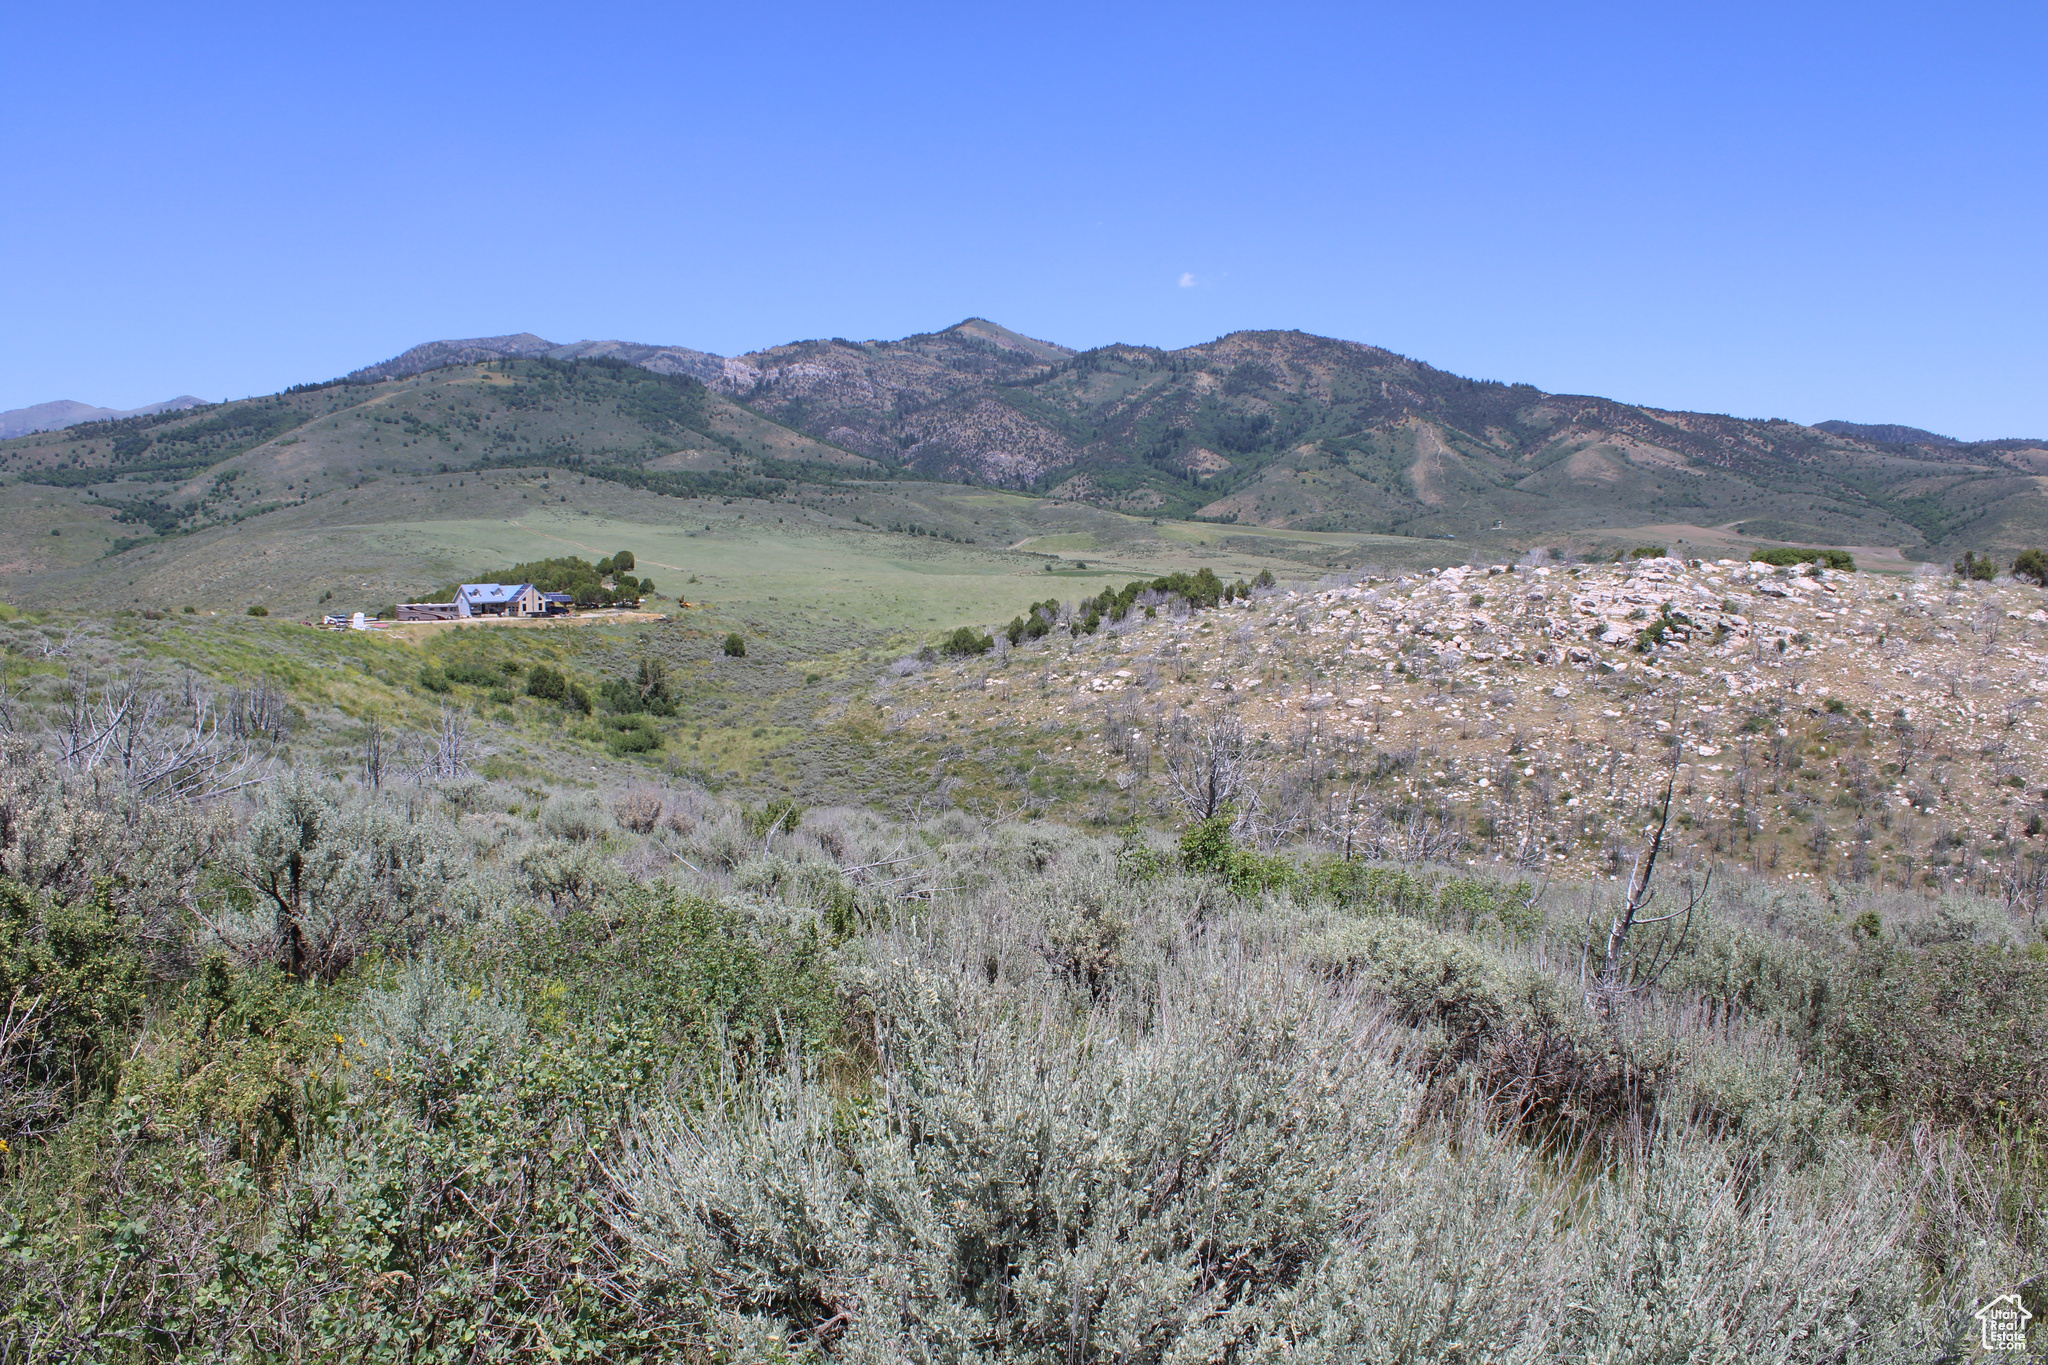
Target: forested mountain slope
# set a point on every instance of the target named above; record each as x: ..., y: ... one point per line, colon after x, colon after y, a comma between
x: 1287, y: 429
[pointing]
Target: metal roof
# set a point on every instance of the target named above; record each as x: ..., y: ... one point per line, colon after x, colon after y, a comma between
x: 494, y: 592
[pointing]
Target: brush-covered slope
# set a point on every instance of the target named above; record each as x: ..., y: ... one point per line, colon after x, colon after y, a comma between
x: 67, y: 498
x: 526, y: 346
x: 1290, y: 429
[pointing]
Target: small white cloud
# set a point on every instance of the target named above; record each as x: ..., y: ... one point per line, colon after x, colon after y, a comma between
x: 1187, y: 279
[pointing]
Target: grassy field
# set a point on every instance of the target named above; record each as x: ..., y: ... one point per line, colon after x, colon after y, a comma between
x: 889, y: 556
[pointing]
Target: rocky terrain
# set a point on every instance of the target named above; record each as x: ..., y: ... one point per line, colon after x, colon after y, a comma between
x: 1817, y: 723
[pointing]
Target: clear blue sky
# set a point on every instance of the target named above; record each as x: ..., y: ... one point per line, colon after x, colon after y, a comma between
x: 1767, y: 209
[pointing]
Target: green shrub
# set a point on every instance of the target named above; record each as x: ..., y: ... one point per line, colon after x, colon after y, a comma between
x: 648, y: 692
x: 472, y: 675
x: 2031, y: 566
x: 230, y: 1059
x: 631, y: 735
x: 1207, y: 847
x: 1956, y: 1033
x: 71, y: 983
x: 735, y: 647
x: 1785, y: 555
x: 967, y: 641
x: 1138, y: 862
x: 546, y: 683
x: 1362, y: 887
x: 259, y: 611
x: 1971, y: 568
x: 434, y: 680
x: 781, y: 815
x: 459, y: 1195
x: 703, y: 976
x: 1477, y: 905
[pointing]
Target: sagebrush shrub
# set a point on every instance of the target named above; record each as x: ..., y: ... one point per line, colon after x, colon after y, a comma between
x: 329, y: 872
x: 638, y: 810
x: 577, y: 818
x: 1237, y: 1171
x: 1011, y: 1167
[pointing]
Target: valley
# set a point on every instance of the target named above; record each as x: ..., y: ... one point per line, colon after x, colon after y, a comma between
x: 1311, y: 452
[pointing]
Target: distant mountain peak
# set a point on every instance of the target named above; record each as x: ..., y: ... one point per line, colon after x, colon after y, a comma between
x: 983, y: 330
x: 433, y: 355
x: 67, y: 413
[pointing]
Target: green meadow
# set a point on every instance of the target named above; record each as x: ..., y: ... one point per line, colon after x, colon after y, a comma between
x: 889, y: 556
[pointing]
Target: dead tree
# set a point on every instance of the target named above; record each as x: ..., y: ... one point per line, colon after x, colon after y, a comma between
x: 1208, y: 763
x: 162, y: 750
x: 1621, y: 973
x: 2026, y: 884
x: 445, y: 756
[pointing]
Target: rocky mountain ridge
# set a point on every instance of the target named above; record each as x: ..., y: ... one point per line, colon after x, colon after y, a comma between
x: 1287, y: 429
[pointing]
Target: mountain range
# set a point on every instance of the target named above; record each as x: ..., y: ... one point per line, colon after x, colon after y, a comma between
x: 64, y: 412
x: 1280, y: 430
x: 1287, y: 429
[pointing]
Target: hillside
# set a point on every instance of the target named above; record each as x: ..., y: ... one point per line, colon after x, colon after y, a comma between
x: 321, y: 454
x: 1886, y: 434
x: 1286, y: 429
x: 1823, y: 725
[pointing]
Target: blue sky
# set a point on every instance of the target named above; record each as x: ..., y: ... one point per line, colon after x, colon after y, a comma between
x: 1782, y: 210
